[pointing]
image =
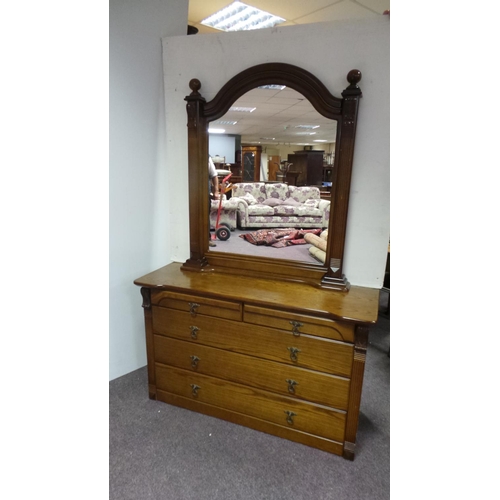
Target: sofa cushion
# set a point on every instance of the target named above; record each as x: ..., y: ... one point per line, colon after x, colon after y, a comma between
x: 273, y: 202
x: 260, y: 209
x: 277, y: 190
x: 292, y: 203
x: 304, y: 193
x: 312, y: 203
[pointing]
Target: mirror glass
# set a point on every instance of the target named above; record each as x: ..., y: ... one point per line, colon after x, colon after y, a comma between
x: 273, y: 135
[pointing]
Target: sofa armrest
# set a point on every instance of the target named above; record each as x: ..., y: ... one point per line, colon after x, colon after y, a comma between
x: 324, y: 205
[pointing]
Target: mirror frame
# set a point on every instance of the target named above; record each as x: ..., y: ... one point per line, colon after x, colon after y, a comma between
x: 344, y: 110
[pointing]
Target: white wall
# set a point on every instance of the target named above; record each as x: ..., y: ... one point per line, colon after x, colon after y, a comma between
x: 138, y: 240
x: 329, y: 51
x: 222, y: 145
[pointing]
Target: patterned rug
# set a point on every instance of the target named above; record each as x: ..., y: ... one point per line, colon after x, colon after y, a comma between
x: 278, y: 238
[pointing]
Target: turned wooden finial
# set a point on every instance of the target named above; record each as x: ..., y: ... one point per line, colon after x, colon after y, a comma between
x: 354, y: 77
x: 195, y: 85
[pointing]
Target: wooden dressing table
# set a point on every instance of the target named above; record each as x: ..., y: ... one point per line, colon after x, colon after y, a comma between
x: 279, y: 357
x: 272, y: 344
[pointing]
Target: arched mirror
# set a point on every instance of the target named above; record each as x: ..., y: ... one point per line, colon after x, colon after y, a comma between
x: 272, y: 135
x: 340, y: 112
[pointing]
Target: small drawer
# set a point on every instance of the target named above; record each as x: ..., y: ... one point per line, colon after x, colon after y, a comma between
x: 299, y: 323
x: 288, y: 412
x: 196, y: 305
x: 283, y: 379
x: 304, y: 351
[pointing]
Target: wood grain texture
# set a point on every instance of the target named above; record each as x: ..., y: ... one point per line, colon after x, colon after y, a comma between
x: 309, y: 417
x: 311, y: 325
x: 253, y: 423
x: 359, y: 305
x: 310, y: 385
x: 281, y: 357
x: 316, y: 353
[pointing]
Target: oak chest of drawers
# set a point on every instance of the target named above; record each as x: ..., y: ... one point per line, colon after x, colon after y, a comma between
x: 283, y: 358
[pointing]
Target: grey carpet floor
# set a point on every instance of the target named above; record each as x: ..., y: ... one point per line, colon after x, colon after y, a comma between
x: 238, y: 245
x: 162, y: 452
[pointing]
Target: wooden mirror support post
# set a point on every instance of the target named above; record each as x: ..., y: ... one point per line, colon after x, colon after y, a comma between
x: 344, y: 110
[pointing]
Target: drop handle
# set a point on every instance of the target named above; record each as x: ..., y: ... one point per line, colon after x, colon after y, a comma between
x: 195, y: 388
x: 194, y: 361
x: 193, y: 306
x: 295, y: 327
x: 294, y: 353
x: 289, y: 416
x: 194, y: 332
x: 291, y: 385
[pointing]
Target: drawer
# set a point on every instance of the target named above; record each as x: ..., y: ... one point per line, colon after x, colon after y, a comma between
x: 196, y: 305
x: 283, y: 379
x: 315, y: 353
x: 307, y: 417
x: 299, y: 323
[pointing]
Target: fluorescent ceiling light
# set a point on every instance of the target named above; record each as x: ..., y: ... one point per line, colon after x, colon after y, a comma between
x: 273, y: 87
x: 320, y: 140
x: 239, y: 16
x: 225, y: 122
x: 216, y: 130
x: 307, y: 126
x: 241, y: 109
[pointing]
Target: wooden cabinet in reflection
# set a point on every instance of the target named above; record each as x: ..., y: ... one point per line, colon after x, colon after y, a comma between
x: 307, y: 167
x: 250, y: 163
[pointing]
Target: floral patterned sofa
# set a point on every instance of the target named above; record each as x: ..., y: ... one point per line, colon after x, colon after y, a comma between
x: 263, y: 205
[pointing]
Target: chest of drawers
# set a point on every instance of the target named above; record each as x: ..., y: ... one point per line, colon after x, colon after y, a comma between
x: 282, y: 358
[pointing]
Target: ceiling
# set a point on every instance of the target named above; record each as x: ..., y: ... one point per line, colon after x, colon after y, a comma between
x: 279, y: 112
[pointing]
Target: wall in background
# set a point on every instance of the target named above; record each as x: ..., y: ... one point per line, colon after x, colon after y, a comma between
x: 138, y: 240
x: 222, y: 145
x: 329, y: 51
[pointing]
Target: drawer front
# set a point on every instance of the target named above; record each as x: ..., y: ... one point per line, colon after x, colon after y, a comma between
x: 283, y: 379
x: 196, y: 305
x: 282, y: 410
x: 299, y: 323
x: 304, y: 351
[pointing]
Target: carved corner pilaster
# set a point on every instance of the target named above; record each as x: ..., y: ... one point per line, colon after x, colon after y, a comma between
x: 361, y: 342
x: 146, y: 297
x: 357, y: 374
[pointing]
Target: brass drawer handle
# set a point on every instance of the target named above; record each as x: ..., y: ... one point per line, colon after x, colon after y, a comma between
x: 293, y: 353
x: 193, y: 306
x: 291, y: 384
x: 289, y: 416
x: 295, y: 327
x: 194, y: 332
x: 194, y: 361
x: 195, y: 389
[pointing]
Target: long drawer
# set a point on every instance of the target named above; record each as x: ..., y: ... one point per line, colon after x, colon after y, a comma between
x: 286, y: 411
x: 316, y: 353
x: 283, y: 379
x: 298, y: 323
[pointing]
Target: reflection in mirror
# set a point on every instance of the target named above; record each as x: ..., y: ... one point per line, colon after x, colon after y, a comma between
x: 280, y: 153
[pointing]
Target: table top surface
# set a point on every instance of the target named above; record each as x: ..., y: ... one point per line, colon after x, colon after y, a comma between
x: 359, y: 304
